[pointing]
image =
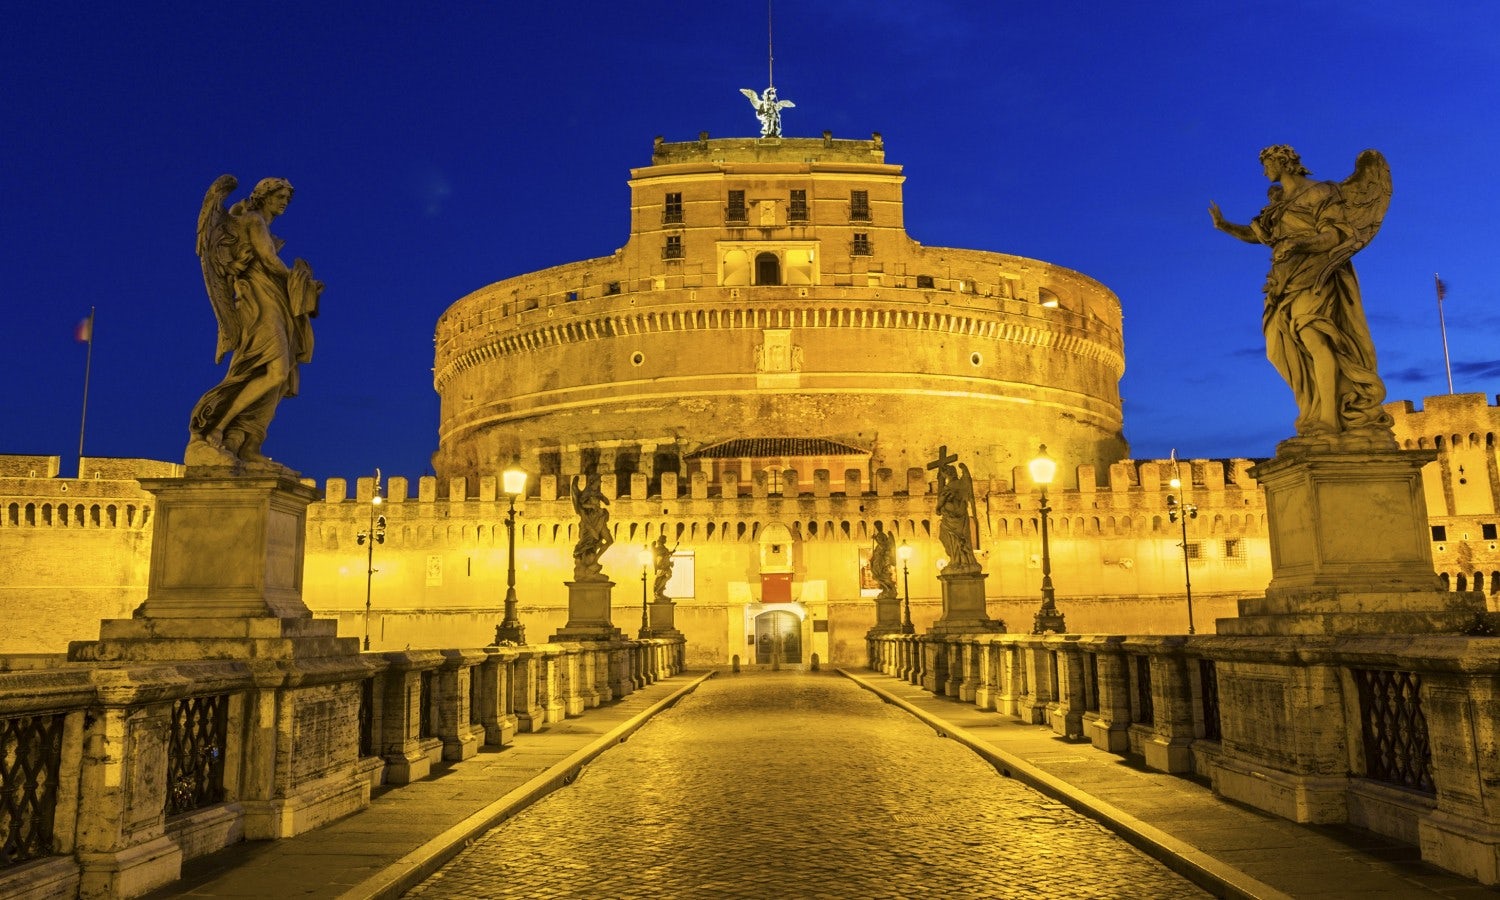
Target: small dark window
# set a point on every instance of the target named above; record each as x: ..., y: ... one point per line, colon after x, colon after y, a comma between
x: 1193, y: 549
x: 859, y: 206
x: 797, y: 209
x: 572, y: 295
x: 1487, y: 530
x: 861, y: 243
x: 673, y: 248
x: 767, y: 269
x: 735, y: 211
x: 924, y: 281
x: 1440, y: 532
x: 672, y: 211
x: 612, y: 288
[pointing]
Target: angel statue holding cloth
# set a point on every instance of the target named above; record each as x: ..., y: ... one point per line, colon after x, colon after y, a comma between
x: 1314, y: 319
x: 263, y: 309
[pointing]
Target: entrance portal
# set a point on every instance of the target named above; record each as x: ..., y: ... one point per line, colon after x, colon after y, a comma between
x: 778, y: 630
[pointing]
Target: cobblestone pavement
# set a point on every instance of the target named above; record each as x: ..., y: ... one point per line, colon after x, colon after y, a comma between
x: 796, y: 785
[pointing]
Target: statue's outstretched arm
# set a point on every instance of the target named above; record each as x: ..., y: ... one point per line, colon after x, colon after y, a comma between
x: 1243, y: 232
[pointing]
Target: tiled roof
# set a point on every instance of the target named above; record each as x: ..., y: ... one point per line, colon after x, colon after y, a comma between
x: 772, y: 448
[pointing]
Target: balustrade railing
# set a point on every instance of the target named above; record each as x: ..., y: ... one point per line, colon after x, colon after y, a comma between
x: 1394, y: 729
x: 1208, y: 678
x: 30, y: 755
x: 195, y: 756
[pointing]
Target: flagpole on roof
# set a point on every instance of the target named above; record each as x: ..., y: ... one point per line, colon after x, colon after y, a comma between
x: 1442, y: 291
x: 88, y: 335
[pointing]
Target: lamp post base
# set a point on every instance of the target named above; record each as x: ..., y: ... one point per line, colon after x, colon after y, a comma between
x: 1049, y: 620
x: 510, y: 634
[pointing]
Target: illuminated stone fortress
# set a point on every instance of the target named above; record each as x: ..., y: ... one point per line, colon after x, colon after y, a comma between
x: 761, y: 374
x: 769, y: 304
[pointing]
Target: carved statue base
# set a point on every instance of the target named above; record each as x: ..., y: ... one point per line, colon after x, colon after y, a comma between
x: 887, y: 616
x: 589, y: 613
x: 964, y: 609
x: 1350, y: 548
x: 663, y: 619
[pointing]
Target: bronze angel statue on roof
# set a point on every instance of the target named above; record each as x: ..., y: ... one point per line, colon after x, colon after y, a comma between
x: 768, y: 110
x: 1314, y: 319
x: 264, y: 310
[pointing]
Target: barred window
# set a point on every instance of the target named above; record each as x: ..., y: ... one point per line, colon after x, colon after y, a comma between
x: 673, y: 247
x: 736, y: 211
x: 1234, y: 548
x: 672, y: 211
x: 861, y: 243
x: 859, y: 205
x: 1193, y: 550
x: 797, y: 209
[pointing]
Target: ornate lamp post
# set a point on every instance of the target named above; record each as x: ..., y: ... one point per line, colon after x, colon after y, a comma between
x: 644, y: 557
x: 513, y: 480
x: 1181, y: 511
x: 904, y: 554
x: 1043, y: 468
x: 373, y: 535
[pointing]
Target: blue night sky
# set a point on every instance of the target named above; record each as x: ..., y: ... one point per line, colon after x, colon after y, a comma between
x: 439, y: 150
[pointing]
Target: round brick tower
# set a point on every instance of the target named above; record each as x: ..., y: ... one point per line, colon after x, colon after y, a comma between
x: 769, y: 290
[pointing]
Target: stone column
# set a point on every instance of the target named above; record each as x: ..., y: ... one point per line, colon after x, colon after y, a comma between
x: 964, y: 609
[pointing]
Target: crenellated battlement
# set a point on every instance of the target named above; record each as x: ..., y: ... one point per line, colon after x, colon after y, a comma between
x: 1446, y: 422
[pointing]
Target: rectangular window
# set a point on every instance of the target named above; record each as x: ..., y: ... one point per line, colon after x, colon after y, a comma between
x: 736, y: 211
x: 1487, y: 530
x: 1234, y: 548
x: 672, y: 211
x: 611, y: 288
x: 673, y: 248
x: 1193, y: 549
x: 924, y: 281
x: 861, y: 243
x: 797, y: 208
x: 859, y: 206
x: 1440, y: 532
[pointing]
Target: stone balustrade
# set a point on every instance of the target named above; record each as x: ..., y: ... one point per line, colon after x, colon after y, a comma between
x: 107, y: 765
x: 1394, y: 733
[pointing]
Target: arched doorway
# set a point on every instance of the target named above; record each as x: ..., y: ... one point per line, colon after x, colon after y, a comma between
x: 767, y: 269
x: 778, y: 633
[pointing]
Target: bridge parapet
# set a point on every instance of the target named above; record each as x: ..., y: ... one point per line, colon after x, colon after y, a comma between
x: 1392, y: 733
x: 121, y: 772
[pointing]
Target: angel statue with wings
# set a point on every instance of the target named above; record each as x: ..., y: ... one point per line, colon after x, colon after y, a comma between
x: 1314, y: 321
x: 263, y: 308
x: 768, y: 110
x: 594, y: 536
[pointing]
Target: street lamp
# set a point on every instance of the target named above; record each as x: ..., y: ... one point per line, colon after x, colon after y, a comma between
x: 375, y: 534
x: 904, y: 554
x: 513, y: 480
x: 644, y: 557
x: 1043, y: 468
x: 1181, y: 511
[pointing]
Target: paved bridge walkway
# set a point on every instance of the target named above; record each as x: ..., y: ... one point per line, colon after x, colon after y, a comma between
x: 791, y: 784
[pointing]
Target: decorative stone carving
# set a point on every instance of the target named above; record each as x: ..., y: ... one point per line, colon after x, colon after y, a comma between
x: 768, y: 110
x: 594, y: 536
x: 263, y: 309
x: 955, y: 505
x: 883, y: 561
x: 662, y: 559
x: 1314, y: 321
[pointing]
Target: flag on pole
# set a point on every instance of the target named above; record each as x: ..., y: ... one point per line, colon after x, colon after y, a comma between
x: 1442, y: 288
x: 83, y: 332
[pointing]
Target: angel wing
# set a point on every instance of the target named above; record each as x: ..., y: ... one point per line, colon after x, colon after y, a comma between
x: 785, y: 104
x: 1367, y: 195
x: 754, y: 96
x: 217, y: 252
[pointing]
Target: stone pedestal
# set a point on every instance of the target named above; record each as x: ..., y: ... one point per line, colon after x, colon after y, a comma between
x: 964, y: 610
x: 1350, y: 549
x: 589, y: 613
x: 663, y: 619
x: 225, y: 601
x: 887, y: 616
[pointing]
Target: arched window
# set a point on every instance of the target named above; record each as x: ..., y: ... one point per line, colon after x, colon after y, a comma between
x: 1479, y: 581
x: 1443, y: 576
x: 1463, y: 582
x: 767, y: 269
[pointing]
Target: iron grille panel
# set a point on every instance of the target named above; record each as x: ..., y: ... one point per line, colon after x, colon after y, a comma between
x: 427, y: 717
x: 30, y: 755
x: 367, y: 717
x: 1209, y: 676
x: 1395, y: 731
x: 195, y: 757
x: 1091, y: 682
x: 1145, y: 708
